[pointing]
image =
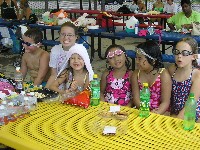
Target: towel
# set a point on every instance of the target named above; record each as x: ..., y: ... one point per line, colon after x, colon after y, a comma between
x: 82, y: 51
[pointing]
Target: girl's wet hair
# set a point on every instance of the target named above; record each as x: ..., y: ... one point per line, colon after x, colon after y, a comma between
x: 69, y: 24
x: 127, y: 62
x: 35, y: 34
x: 152, y: 49
x: 194, y: 46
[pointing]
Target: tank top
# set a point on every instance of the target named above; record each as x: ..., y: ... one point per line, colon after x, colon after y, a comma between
x: 118, y: 91
x: 70, y: 79
x: 8, y: 12
x: 155, y: 90
x: 180, y: 93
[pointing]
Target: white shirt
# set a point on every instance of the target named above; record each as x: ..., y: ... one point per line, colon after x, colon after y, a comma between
x: 170, y: 8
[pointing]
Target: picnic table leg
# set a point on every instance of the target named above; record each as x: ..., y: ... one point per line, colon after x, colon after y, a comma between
x: 92, y: 47
x: 99, y: 46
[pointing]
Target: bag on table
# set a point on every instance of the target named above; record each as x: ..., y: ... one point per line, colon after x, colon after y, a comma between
x: 82, y: 99
x: 196, y: 29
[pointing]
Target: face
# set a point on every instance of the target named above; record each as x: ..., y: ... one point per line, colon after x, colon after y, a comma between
x: 142, y: 63
x: 116, y: 58
x: 77, y: 62
x: 169, y: 2
x: 29, y: 44
x: 67, y: 37
x: 183, y: 54
x: 186, y: 8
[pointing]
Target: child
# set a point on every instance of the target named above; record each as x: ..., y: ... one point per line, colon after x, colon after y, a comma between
x: 60, y: 53
x: 35, y: 60
x: 115, y: 82
x: 150, y: 71
x: 185, y: 76
x: 79, y: 73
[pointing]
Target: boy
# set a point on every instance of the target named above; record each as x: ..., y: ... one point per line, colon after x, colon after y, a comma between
x: 35, y: 60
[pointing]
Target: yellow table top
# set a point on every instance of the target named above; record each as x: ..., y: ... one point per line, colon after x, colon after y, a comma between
x: 58, y: 126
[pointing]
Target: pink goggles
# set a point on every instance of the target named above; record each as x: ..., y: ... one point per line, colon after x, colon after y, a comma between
x: 116, y: 52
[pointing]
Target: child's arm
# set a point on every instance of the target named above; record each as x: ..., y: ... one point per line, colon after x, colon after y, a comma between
x: 135, y: 89
x: 87, y: 82
x: 103, y: 85
x: 24, y: 67
x: 43, y: 68
x: 194, y: 89
x: 166, y: 87
x: 56, y: 83
x: 52, y: 77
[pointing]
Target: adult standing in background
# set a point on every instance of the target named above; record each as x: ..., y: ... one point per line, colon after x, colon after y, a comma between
x: 170, y: 7
x: 25, y: 10
x: 185, y: 18
x: 158, y: 6
x: 9, y: 9
x: 141, y: 5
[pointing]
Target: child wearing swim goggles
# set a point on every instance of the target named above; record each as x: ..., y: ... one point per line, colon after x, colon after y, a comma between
x: 185, y: 75
x: 150, y: 70
x: 115, y: 81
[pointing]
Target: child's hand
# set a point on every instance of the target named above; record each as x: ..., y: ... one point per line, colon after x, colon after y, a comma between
x: 155, y: 111
x: 74, y: 86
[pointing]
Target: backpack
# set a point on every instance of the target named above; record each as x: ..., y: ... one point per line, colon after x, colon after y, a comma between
x: 32, y: 19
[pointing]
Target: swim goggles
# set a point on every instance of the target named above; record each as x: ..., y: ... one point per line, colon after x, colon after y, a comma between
x: 184, y: 52
x: 117, y: 52
x: 29, y: 44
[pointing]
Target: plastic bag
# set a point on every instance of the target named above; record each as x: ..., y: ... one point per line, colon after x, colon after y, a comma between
x: 82, y: 99
x: 196, y: 29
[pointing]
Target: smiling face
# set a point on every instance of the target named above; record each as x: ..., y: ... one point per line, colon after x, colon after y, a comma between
x: 116, y: 58
x: 67, y: 37
x: 29, y: 44
x: 77, y: 62
x: 182, y: 61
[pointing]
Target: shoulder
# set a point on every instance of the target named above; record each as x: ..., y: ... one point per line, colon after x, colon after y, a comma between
x: 56, y: 49
x: 196, y: 75
x: 105, y: 73
x: 164, y: 74
x: 171, y: 69
x: 44, y: 53
x: 195, y: 13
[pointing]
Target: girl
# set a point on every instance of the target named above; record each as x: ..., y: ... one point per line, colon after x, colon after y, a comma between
x: 115, y: 82
x: 79, y: 73
x: 185, y: 76
x: 148, y: 59
x: 60, y: 53
x: 25, y: 10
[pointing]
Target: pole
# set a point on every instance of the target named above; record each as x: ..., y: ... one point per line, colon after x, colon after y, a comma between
x: 46, y: 5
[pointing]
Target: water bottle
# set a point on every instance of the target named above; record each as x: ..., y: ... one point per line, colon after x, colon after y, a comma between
x: 95, y: 91
x: 190, y: 113
x: 18, y: 80
x: 144, y: 101
x: 136, y: 27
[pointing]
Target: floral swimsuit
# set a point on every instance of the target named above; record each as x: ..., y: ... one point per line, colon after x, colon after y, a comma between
x: 180, y: 93
x: 118, y: 91
x: 155, y: 90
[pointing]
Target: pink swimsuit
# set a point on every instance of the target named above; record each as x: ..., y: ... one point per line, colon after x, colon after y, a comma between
x: 155, y: 90
x: 118, y: 91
